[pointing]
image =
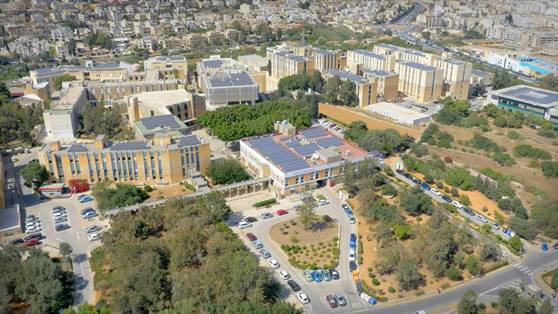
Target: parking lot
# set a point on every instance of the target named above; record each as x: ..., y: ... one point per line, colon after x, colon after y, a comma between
x: 316, y: 291
x: 74, y: 234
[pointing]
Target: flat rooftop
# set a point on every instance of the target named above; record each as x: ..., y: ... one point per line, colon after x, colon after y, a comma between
x: 135, y: 145
x: 397, y: 110
x: 163, y: 124
x: 344, y: 75
x: 369, y: 54
x: 531, y: 95
x: 377, y: 73
x: 229, y: 79
x: 159, y: 101
x: 417, y: 65
x: 295, y: 153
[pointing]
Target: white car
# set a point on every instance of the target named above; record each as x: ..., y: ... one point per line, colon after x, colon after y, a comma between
x: 33, y: 229
x: 303, y: 298
x: 482, y: 219
x: 244, y: 225
x: 352, y: 255
x: 435, y: 192
x: 284, y: 274
x: 323, y: 202
x: 94, y: 237
x: 59, y: 214
x: 457, y: 204
x: 273, y: 262
x: 365, y: 297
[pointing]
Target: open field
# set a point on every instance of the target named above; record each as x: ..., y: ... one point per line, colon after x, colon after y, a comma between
x: 346, y: 115
x: 168, y: 191
x: 316, y: 247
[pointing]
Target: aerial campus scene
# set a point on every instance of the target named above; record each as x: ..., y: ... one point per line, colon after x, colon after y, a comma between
x: 288, y: 156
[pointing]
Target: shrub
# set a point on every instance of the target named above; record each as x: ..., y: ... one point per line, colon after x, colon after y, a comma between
x: 327, y: 219
x: 375, y: 282
x: 526, y: 150
x: 454, y: 192
x: 454, y: 274
x: 445, y: 285
x: 391, y: 289
x: 448, y: 160
x: 550, y: 168
x: 267, y: 202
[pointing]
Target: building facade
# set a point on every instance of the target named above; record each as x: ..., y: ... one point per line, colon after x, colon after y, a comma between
x: 419, y: 82
x: 164, y: 160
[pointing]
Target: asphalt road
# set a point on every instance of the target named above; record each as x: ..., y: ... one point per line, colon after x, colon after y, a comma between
x: 75, y: 236
x: 315, y: 291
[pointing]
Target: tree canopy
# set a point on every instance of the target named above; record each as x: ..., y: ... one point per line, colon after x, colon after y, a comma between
x: 100, y: 120
x: 120, y: 195
x: 186, y: 260
x: 231, y: 123
x: 226, y: 171
x: 34, y: 174
x: 386, y: 141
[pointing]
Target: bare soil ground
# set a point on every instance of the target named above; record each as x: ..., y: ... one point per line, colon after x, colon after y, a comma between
x: 317, y: 246
x: 166, y: 191
x: 366, y: 230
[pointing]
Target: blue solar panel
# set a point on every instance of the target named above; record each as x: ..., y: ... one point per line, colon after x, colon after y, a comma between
x: 329, y: 141
x: 278, y: 154
x: 77, y: 148
x: 307, y: 149
x: 313, y: 132
x: 187, y: 141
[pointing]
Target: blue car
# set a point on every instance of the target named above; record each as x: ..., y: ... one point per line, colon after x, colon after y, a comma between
x: 85, y: 199
x: 544, y: 247
x: 372, y: 301
x: 425, y: 186
x: 555, y: 246
x: 352, y: 241
x: 317, y: 275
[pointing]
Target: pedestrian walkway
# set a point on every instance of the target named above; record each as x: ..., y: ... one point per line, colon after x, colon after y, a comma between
x: 523, y: 268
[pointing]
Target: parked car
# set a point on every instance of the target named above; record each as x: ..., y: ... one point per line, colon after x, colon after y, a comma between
x: 89, y: 215
x: 308, y: 276
x: 346, y: 207
x: 303, y: 298
x: 435, y: 192
x: 58, y: 209
x: 282, y: 212
x: 457, y: 204
x: 446, y: 198
x: 251, y: 236
x: 250, y: 219
x: 495, y: 226
x: 85, y: 210
x: 59, y: 214
x: 323, y: 201
x: 331, y: 301
x: 482, y: 219
x: 267, y: 215
x: 544, y: 247
x: 85, y: 199
x: 335, y: 274
x: 352, y: 266
x: 326, y: 274
x: 92, y: 229
x: 352, y: 240
x: 293, y: 285
x: 284, y: 274
x: 509, y: 232
x: 31, y: 242
x: 244, y: 225
x: 36, y: 235
x: 340, y: 299
x: 94, y: 237
x: 468, y: 211
x: 33, y: 229
x: 61, y: 227
x: 425, y: 186
x: 317, y: 276
x: 257, y: 244
x: 273, y: 262
x: 265, y: 253
x: 60, y: 220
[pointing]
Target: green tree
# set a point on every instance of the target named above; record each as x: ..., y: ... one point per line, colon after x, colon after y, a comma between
x: 61, y: 79
x: 120, y: 195
x: 516, y: 243
x: 226, y: 171
x: 100, y: 120
x: 388, y: 259
x: 416, y: 203
x: 408, y: 275
x: 554, y: 280
x: 65, y: 249
x: 523, y: 227
x: 356, y: 130
x: 549, y: 82
x: 550, y: 168
x: 332, y: 89
x: 473, y: 265
x: 510, y: 302
x: 468, y: 303
x: 489, y: 251
x: 546, y: 308
x: 347, y: 93
x: 454, y: 273
x: 306, y: 213
x: 34, y: 174
x: 87, y: 309
x: 545, y: 218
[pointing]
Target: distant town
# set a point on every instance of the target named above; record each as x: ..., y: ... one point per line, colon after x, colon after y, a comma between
x: 294, y: 156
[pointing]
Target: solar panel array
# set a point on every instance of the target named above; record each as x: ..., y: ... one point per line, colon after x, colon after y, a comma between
x: 160, y: 121
x: 307, y: 149
x: 132, y: 145
x: 278, y: 154
x: 329, y: 141
x: 313, y: 132
x: 187, y: 141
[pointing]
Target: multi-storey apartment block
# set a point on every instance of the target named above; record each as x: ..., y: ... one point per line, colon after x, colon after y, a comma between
x: 422, y: 83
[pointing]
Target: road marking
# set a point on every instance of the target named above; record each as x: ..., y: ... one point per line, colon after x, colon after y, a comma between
x: 77, y: 233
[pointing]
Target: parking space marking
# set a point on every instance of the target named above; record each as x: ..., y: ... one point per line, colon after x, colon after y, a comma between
x: 77, y: 234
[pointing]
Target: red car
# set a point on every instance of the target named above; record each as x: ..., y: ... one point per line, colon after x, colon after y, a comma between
x: 282, y: 212
x: 251, y: 236
x: 31, y: 242
x: 331, y: 301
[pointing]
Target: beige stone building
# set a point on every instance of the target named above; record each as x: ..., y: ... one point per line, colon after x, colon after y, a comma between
x: 177, y: 64
x: 457, y: 76
x: 359, y: 59
x: 365, y: 90
x: 387, y: 83
x: 422, y: 83
x: 180, y: 103
x: 164, y: 160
